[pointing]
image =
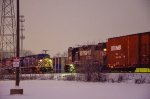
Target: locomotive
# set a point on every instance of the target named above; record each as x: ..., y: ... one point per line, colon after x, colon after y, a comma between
x: 39, y: 63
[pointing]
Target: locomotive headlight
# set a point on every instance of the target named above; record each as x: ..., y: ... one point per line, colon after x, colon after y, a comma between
x: 104, y: 49
x: 50, y: 60
x: 40, y: 60
x: 71, y: 65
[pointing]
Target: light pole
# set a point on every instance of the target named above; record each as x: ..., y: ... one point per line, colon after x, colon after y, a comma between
x: 22, y: 37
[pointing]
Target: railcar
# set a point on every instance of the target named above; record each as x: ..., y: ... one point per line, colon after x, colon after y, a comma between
x: 129, y: 52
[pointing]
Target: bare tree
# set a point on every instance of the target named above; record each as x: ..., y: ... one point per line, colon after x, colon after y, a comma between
x: 57, y: 54
x: 90, y: 67
x: 65, y: 54
x: 27, y: 53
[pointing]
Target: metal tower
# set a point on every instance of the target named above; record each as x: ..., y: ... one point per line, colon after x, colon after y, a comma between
x: 7, y: 29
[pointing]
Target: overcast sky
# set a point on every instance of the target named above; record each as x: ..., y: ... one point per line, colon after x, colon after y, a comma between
x: 56, y: 25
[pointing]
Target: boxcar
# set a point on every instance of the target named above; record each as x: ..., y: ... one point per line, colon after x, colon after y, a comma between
x: 129, y: 51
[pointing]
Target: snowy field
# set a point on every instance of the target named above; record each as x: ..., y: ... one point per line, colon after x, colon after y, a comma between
x: 53, y: 89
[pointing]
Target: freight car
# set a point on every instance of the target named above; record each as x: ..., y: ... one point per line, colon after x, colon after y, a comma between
x: 129, y: 52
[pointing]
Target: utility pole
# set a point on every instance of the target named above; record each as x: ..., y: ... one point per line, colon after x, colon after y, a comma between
x: 18, y: 42
x: 17, y: 90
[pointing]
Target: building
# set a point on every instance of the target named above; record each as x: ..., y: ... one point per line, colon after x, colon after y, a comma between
x: 59, y: 64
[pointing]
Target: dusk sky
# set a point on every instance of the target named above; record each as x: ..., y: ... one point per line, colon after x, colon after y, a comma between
x: 55, y: 25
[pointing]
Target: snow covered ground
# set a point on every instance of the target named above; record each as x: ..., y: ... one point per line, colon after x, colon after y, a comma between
x: 54, y: 89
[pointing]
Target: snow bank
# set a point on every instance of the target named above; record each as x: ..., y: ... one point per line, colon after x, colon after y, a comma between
x: 52, y: 89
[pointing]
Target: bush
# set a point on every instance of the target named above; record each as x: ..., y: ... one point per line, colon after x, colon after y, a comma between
x: 139, y: 81
x: 120, y: 78
x: 70, y: 77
